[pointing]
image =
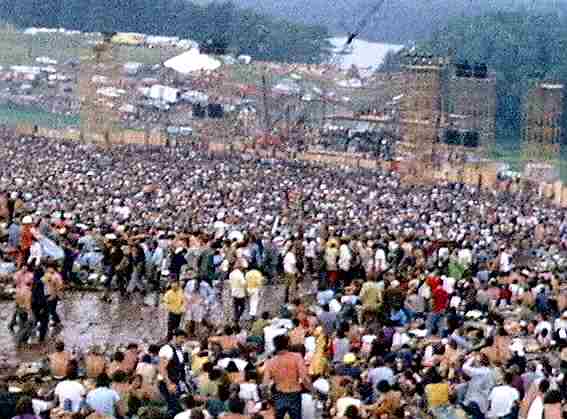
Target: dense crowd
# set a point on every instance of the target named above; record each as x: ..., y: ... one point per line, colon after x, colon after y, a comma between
x: 426, y: 301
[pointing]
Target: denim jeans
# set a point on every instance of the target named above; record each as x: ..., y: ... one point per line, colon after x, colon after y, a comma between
x: 289, y: 403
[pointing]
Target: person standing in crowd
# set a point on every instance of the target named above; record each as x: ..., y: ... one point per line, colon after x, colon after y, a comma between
x: 70, y: 392
x: 24, y: 281
x: 254, y: 284
x: 104, y: 400
x: 237, y: 282
x: 178, y: 261
x: 136, y: 282
x: 439, y: 304
x: 40, y: 308
x: 26, y: 239
x: 287, y: 372
x: 54, y: 287
x: 345, y: 263
x: 291, y: 273
x: 172, y: 377
x: 331, y: 262
x: 175, y: 305
x: 199, y: 297
x: 112, y: 257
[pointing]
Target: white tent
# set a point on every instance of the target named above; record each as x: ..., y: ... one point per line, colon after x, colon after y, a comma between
x: 190, y: 61
x: 163, y: 93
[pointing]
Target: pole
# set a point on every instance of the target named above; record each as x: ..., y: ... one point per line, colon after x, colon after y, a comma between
x: 287, y: 122
x: 265, y: 100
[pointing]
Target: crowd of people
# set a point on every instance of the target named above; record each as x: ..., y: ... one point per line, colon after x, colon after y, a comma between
x: 398, y: 300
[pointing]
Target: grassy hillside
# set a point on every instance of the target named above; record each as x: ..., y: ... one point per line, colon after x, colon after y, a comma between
x: 19, y: 49
x: 14, y: 114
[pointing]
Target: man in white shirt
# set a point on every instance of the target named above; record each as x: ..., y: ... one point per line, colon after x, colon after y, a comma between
x: 544, y: 323
x: 70, y: 392
x: 171, y: 378
x: 465, y: 257
x: 310, y: 246
x: 345, y: 259
x: 380, y: 260
x: 505, y: 261
x: 237, y: 282
x: 503, y: 400
x: 290, y: 272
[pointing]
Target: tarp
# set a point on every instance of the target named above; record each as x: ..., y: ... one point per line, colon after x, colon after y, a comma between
x: 191, y: 61
x: 50, y: 249
x: 163, y: 93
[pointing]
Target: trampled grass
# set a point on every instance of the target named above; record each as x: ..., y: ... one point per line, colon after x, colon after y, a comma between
x: 17, y: 48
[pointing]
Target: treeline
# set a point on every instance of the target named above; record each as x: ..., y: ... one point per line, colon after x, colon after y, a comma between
x: 399, y: 21
x: 245, y: 31
x: 521, y: 47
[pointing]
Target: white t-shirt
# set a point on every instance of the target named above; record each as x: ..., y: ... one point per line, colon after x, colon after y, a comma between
x: 465, y: 257
x: 502, y: 399
x: 560, y: 323
x: 290, y: 263
x: 166, y: 352
x: 310, y: 249
x: 249, y: 392
x: 40, y: 406
x: 72, y: 390
x: 505, y: 262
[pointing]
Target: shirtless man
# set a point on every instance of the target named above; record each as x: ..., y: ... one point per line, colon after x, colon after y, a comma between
x: 95, y: 362
x: 59, y: 360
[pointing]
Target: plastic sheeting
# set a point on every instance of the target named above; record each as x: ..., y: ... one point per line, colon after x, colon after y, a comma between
x: 50, y: 249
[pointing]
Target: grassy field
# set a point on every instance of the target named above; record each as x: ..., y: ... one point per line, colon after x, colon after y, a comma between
x: 15, y: 114
x: 19, y: 49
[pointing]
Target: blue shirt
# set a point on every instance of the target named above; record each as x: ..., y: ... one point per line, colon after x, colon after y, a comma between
x: 14, y: 235
x: 103, y: 400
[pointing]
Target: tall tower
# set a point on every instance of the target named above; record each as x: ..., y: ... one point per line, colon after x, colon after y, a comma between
x: 471, y: 106
x: 99, y: 113
x: 542, y: 127
x: 421, y: 104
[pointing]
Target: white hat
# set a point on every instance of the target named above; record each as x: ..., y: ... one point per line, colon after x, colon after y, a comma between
x: 110, y: 236
x: 27, y: 220
x: 322, y: 386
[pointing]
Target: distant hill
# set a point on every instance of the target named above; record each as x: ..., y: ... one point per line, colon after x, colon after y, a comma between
x: 244, y: 31
x: 399, y: 21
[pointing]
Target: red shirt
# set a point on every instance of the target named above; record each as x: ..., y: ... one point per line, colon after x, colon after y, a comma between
x: 440, y: 300
x: 433, y: 282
